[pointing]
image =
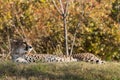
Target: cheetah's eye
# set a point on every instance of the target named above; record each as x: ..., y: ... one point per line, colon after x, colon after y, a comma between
x: 24, y: 43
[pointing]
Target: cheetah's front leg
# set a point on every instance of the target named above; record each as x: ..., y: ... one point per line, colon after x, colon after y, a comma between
x: 21, y: 60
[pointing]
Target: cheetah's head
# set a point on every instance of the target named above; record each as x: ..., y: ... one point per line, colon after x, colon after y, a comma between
x: 20, y: 47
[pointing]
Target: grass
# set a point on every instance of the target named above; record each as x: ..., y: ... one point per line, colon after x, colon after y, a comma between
x: 59, y: 71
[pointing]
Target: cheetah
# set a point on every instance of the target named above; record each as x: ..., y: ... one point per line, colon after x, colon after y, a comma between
x: 88, y: 57
x: 20, y: 52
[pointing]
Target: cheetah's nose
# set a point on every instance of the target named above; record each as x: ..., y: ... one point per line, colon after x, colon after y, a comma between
x: 30, y: 46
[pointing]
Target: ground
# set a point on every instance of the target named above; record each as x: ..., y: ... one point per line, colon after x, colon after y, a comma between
x: 60, y: 71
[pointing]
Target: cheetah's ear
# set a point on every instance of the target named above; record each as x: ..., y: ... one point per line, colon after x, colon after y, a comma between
x: 11, y: 40
x: 14, y: 40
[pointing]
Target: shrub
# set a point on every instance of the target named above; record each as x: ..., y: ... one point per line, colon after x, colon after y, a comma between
x: 40, y: 22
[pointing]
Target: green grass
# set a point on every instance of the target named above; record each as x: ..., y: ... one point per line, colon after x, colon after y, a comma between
x: 59, y: 71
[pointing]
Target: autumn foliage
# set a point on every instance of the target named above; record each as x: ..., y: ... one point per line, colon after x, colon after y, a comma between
x: 39, y: 21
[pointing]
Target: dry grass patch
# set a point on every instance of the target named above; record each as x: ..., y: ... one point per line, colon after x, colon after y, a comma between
x: 60, y: 71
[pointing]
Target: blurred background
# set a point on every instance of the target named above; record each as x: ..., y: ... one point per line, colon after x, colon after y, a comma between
x: 40, y: 22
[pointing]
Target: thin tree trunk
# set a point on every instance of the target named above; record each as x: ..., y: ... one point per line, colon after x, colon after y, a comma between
x: 63, y: 11
x: 65, y: 34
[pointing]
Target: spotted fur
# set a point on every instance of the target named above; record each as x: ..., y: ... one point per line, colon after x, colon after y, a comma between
x: 20, y: 50
x: 20, y: 53
x: 88, y: 57
x: 30, y: 58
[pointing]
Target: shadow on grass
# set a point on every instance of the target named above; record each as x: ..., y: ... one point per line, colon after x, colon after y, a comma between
x: 38, y: 72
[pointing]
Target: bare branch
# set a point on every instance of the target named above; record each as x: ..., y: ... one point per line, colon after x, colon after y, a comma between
x: 78, y: 25
x: 65, y: 25
x: 65, y: 29
x: 62, y: 8
x: 56, y: 7
x: 66, y: 8
x: 73, y: 43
